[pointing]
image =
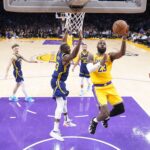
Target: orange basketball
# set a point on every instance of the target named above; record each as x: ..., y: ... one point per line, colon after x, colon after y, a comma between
x: 120, y: 27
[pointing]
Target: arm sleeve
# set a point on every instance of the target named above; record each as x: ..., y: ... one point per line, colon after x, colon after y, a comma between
x: 92, y: 67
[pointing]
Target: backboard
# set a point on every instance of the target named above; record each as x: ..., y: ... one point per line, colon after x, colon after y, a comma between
x: 88, y: 6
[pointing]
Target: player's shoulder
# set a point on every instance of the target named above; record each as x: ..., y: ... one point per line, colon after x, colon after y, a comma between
x: 65, y: 59
x: 64, y: 56
x: 95, y: 55
x: 20, y: 56
x: 60, y: 54
x: 13, y: 57
x: 88, y: 51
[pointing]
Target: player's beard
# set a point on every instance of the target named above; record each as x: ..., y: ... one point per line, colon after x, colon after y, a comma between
x: 101, y: 50
x: 68, y: 51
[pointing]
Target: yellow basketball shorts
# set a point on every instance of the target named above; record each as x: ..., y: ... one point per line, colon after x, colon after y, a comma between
x: 106, y: 94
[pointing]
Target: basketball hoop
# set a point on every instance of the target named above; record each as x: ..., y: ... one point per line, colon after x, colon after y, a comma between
x: 73, y: 21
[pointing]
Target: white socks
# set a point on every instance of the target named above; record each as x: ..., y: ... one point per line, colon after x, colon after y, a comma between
x: 95, y: 120
x: 24, y: 90
x: 61, y: 108
x: 88, y: 82
x: 56, y: 126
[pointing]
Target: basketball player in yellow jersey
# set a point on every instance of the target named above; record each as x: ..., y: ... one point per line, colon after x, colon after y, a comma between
x: 103, y: 89
x: 70, y: 39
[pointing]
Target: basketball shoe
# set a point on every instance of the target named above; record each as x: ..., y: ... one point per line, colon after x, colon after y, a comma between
x: 13, y: 99
x: 105, y: 122
x: 56, y: 135
x: 92, y: 126
x: 29, y: 99
x: 69, y: 123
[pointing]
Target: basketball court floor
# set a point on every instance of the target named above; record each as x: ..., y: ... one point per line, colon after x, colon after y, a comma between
x: 26, y: 126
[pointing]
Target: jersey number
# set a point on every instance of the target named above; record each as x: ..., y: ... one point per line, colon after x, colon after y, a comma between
x: 102, y: 69
x: 85, y: 61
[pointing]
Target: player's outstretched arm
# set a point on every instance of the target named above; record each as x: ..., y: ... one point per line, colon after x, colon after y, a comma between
x: 69, y: 57
x: 8, y: 67
x: 29, y: 61
x: 122, y: 51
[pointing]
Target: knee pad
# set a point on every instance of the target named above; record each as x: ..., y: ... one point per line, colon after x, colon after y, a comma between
x: 119, y: 108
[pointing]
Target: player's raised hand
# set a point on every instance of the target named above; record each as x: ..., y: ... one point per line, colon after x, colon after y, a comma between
x: 124, y: 37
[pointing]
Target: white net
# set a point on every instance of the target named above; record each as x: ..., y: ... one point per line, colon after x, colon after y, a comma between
x: 74, y: 21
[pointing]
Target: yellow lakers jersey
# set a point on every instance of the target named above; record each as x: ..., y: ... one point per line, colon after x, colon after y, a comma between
x: 70, y: 40
x: 103, y: 74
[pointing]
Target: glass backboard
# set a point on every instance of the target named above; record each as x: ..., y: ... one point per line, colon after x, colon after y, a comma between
x: 88, y: 6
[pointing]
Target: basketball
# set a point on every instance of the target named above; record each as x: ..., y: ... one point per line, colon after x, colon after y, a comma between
x: 120, y: 27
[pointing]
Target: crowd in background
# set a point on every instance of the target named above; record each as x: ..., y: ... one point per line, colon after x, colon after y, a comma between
x: 95, y: 25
